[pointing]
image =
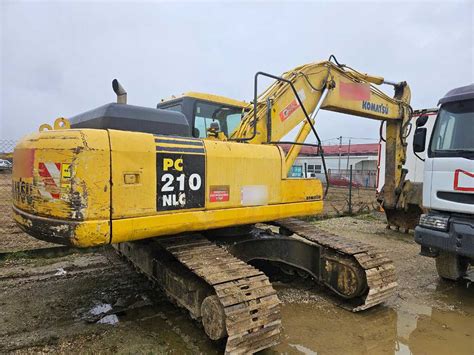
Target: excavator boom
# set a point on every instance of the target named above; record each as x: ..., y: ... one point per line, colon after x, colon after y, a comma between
x: 297, y: 93
x: 296, y: 97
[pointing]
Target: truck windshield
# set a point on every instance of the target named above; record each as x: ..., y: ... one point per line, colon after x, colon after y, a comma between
x: 453, y: 134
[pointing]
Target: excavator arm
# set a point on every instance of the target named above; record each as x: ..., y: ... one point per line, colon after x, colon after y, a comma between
x: 296, y: 97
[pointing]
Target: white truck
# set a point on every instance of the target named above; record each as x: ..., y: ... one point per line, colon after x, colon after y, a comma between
x: 413, y: 164
x: 446, y: 231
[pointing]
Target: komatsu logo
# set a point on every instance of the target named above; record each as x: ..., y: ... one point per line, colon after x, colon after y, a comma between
x: 370, y: 106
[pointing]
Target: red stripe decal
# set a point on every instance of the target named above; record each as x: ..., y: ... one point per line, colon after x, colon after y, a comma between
x: 48, y: 181
x: 464, y: 173
x: 354, y: 91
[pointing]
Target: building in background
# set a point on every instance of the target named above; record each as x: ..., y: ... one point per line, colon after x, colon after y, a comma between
x: 339, y: 158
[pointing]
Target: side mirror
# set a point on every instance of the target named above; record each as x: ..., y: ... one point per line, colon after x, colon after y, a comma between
x: 421, y: 120
x: 419, y: 139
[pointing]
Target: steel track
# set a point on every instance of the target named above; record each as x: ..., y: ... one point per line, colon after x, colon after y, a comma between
x: 190, y: 268
x: 379, y: 270
x: 251, y: 306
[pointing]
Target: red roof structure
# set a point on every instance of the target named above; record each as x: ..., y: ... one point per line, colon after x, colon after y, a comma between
x: 355, y: 149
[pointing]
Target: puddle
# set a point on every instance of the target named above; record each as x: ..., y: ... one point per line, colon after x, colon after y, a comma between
x: 455, y: 295
x: 303, y: 349
x: 440, y: 321
x: 320, y: 328
x: 166, y: 324
x: 142, y: 326
x: 407, y: 328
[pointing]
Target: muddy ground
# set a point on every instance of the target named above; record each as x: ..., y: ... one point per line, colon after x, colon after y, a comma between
x: 46, y: 303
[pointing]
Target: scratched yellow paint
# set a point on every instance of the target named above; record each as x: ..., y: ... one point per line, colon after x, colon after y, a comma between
x: 129, y: 229
x: 85, y: 157
x: 83, y: 182
x: 133, y: 153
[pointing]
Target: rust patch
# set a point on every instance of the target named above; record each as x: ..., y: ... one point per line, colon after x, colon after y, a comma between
x: 46, y: 229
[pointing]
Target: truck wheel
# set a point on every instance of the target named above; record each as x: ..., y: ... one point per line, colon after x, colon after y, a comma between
x: 450, y: 266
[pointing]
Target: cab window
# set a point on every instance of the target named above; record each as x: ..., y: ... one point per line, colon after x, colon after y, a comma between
x: 227, y: 118
x: 452, y: 134
x: 176, y: 107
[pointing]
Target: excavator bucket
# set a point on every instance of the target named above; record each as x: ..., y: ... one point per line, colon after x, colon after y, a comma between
x: 408, y: 209
x: 404, y: 219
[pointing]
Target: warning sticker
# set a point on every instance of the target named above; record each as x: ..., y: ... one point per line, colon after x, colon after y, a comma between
x: 49, y: 173
x: 219, y: 193
x: 65, y: 171
x: 65, y: 176
x: 292, y: 106
x: 54, y: 177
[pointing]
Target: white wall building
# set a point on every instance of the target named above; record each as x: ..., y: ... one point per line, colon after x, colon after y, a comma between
x: 362, y: 157
x: 367, y: 160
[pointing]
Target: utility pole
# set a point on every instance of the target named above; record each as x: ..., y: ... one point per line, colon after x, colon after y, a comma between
x: 348, y: 154
x: 350, y: 191
x: 339, y: 164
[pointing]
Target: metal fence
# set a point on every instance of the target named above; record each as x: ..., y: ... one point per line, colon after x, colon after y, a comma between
x: 360, y: 178
x: 351, y: 191
x: 6, y: 164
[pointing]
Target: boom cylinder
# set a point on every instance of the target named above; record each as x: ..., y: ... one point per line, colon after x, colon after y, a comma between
x: 303, y: 133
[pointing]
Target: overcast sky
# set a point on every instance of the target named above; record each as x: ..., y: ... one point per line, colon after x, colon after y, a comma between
x: 59, y: 58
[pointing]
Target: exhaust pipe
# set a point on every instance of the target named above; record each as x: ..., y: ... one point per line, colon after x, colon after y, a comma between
x: 120, y: 91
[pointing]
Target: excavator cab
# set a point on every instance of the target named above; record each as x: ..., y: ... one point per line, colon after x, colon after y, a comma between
x: 191, y: 115
x: 207, y: 115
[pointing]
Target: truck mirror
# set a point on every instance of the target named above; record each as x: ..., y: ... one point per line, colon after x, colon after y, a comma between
x: 419, y: 139
x: 421, y: 120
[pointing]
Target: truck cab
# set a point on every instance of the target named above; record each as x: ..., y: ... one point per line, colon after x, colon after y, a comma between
x: 446, y: 231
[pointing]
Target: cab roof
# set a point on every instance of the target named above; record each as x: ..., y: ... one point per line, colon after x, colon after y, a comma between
x: 209, y: 97
x: 459, y: 94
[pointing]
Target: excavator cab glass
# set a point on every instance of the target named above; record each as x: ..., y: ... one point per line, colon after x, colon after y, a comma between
x: 212, y: 115
x: 203, y: 110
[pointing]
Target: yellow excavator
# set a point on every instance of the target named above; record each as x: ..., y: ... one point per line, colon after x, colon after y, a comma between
x: 195, y: 193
